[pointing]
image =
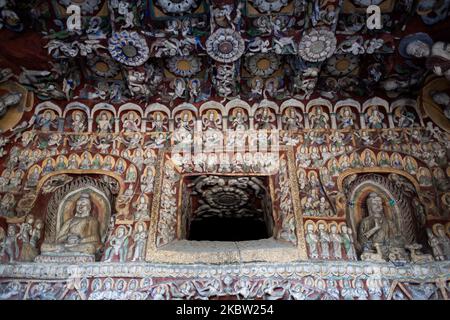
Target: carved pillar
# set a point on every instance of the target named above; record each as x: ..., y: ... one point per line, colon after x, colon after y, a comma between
x: 306, y: 121
x: 224, y: 123
x: 391, y: 121
x: 333, y: 120
x: 362, y: 121
x: 117, y: 124
x: 154, y: 217
x: 61, y: 124
x: 298, y: 213
x: 90, y: 124
x: 279, y: 124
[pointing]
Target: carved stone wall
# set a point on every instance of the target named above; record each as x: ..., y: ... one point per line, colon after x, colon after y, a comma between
x: 304, y: 114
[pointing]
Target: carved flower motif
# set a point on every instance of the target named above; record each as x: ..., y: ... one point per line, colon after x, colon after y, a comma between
x: 128, y: 48
x: 339, y: 65
x: 262, y: 65
x: 225, y: 45
x: 103, y: 67
x: 184, y: 66
x: 317, y: 45
x: 226, y: 197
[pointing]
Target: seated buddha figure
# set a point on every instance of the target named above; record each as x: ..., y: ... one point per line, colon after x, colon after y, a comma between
x: 79, y: 234
x: 376, y: 231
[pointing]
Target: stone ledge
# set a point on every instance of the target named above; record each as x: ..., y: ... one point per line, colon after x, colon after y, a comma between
x: 292, y: 270
x: 213, y: 252
x: 64, y: 258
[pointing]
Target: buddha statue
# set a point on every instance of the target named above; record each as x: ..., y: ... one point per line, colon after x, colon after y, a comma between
x: 376, y: 231
x: 80, y: 234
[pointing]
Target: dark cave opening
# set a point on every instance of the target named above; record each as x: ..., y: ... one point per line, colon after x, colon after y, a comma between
x: 228, y: 229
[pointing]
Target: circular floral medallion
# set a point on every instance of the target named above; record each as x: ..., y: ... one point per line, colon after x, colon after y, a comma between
x: 128, y: 48
x: 262, y: 65
x: 339, y: 65
x: 226, y: 197
x: 270, y: 5
x: 184, y: 66
x: 177, y: 6
x: 225, y: 45
x: 86, y: 6
x: 317, y: 45
x: 103, y: 67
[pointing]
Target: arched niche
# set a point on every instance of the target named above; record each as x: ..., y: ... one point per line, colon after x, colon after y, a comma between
x: 76, y: 113
x: 62, y: 205
x: 96, y: 116
x: 292, y: 114
x: 406, y: 109
x: 157, y: 118
x: 344, y: 111
x: 398, y: 205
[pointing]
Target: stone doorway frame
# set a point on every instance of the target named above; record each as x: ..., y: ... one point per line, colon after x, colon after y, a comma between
x: 166, y: 248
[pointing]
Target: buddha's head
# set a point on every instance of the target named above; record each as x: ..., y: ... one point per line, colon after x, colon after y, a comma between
x: 83, y: 205
x: 375, y: 204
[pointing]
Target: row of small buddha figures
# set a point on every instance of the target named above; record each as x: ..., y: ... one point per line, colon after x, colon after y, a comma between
x: 316, y: 156
x: 264, y: 117
x: 24, y: 157
x: 338, y: 244
x: 259, y: 162
x: 243, y: 287
x: 389, y: 138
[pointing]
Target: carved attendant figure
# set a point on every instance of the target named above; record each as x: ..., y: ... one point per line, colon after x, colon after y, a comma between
x: 324, y: 239
x: 444, y: 240
x: 26, y: 230
x: 347, y: 241
x: 140, y: 239
x: 336, y: 241
x: 435, y: 245
x: 104, y: 124
x: 311, y: 240
x: 10, y: 247
x: 119, y: 244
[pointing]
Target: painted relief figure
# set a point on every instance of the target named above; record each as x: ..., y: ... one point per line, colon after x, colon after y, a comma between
x: 292, y: 119
x: 131, y: 122
x: 105, y: 122
x: 375, y: 118
x: 47, y: 121
x: 318, y: 119
x: 346, y: 118
x: 239, y: 119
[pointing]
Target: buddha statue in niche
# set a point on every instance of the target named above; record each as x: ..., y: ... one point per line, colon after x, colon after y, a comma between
x: 376, y: 231
x: 80, y: 234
